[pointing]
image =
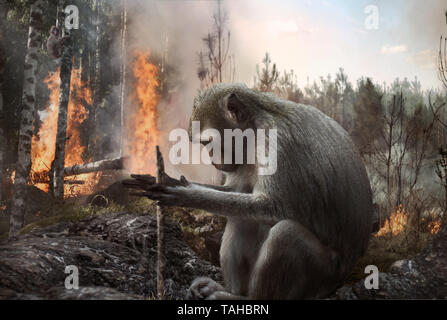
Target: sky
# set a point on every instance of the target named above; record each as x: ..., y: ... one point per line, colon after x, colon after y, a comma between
x: 313, y: 37
x: 316, y: 38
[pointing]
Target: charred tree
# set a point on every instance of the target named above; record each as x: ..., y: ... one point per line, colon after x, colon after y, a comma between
x: 28, y: 109
x: 61, y: 136
x: 2, y: 131
x: 161, y: 255
x: 3, y: 13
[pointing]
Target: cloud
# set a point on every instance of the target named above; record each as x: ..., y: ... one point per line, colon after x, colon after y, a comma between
x: 393, y: 49
x: 288, y: 27
x: 425, y: 59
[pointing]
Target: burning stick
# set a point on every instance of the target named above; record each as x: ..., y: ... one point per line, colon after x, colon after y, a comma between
x: 161, y: 264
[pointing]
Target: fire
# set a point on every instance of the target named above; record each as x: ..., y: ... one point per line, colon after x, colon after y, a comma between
x: 398, y: 221
x: 434, y: 226
x: 395, y: 224
x: 142, y: 123
x: 43, y: 145
x: 140, y: 141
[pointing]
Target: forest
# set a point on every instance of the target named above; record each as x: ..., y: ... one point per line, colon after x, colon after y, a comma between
x: 73, y: 126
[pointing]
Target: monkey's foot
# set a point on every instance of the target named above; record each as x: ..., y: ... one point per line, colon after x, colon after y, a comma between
x: 204, y: 288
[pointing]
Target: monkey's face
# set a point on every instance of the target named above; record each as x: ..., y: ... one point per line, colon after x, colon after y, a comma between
x: 218, y: 116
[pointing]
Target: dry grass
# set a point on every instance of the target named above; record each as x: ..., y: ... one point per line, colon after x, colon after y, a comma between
x: 387, y: 247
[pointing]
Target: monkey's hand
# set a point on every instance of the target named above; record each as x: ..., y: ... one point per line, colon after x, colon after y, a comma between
x: 143, y: 181
x: 171, y: 192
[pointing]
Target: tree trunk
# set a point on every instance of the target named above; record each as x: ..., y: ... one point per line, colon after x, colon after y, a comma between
x: 123, y: 70
x: 27, y: 120
x: 2, y: 132
x: 108, y: 164
x: 61, y: 137
x: 161, y: 257
x: 2, y: 121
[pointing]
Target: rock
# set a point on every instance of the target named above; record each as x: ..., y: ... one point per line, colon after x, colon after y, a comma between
x: 59, y: 293
x: 423, y: 277
x: 115, y: 251
x: 89, y: 293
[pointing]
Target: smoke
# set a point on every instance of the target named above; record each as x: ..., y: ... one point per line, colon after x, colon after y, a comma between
x: 172, y: 31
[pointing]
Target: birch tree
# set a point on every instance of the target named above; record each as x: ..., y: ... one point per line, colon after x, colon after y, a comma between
x: 28, y: 108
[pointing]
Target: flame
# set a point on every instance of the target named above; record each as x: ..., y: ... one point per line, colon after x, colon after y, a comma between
x: 142, y: 124
x: 43, y: 144
x: 398, y: 221
x: 139, y: 143
x: 395, y: 224
x: 13, y: 177
x: 434, y: 226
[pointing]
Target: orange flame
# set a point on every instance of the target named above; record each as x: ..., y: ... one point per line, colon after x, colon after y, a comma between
x: 434, y: 226
x: 142, y: 124
x: 43, y: 145
x: 395, y: 224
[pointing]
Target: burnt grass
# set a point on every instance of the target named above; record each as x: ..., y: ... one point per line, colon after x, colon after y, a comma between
x: 196, y: 225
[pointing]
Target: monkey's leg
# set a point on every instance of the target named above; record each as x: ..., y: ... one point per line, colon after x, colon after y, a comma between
x: 293, y: 264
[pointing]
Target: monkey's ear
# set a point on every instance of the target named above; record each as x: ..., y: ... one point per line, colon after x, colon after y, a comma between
x: 236, y: 108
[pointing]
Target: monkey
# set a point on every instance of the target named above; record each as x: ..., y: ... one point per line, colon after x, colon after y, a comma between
x: 293, y: 234
x: 55, y: 43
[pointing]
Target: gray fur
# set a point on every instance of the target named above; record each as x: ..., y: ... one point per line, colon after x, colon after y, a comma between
x: 297, y: 233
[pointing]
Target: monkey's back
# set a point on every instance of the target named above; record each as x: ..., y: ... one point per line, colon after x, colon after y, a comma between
x: 321, y: 179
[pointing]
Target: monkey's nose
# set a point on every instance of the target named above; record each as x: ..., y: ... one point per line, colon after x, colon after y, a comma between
x: 206, y: 142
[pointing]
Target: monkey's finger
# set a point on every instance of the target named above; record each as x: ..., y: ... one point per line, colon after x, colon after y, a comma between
x: 157, y: 188
x: 144, y: 177
x: 134, y: 184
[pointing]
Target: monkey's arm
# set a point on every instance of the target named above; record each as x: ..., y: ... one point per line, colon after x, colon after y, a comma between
x: 142, y: 181
x: 182, y: 193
